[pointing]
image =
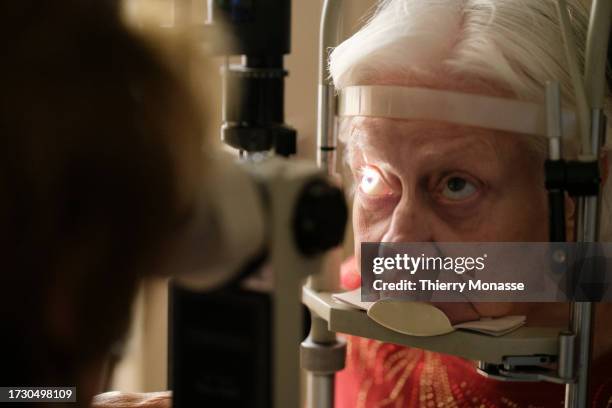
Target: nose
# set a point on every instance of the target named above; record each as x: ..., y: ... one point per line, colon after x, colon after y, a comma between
x: 410, y: 222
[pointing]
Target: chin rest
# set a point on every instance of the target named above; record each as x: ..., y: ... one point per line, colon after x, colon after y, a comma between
x: 424, y: 319
x: 522, y: 341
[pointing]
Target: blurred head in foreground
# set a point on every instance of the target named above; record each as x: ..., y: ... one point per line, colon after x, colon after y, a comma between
x: 99, y: 156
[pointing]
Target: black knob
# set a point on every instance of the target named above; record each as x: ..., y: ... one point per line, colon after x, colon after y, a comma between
x: 320, y: 217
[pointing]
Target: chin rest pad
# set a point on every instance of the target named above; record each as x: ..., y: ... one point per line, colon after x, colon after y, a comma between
x: 424, y: 319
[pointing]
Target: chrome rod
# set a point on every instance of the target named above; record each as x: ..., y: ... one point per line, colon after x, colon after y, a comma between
x: 329, y: 36
x: 322, y: 353
x: 581, y: 320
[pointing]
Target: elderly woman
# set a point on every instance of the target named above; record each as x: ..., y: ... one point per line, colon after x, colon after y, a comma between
x: 421, y: 180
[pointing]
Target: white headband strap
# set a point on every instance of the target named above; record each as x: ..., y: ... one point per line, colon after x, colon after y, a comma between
x: 460, y: 108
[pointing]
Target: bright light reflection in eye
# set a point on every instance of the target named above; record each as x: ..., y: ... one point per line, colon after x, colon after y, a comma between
x: 372, y: 182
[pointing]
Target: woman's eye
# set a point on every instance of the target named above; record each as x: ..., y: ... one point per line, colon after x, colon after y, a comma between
x: 457, y: 188
x: 372, y: 183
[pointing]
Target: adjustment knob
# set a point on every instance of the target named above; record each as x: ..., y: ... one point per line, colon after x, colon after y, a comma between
x: 320, y: 217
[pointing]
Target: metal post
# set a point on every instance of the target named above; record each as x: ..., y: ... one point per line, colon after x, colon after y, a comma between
x: 581, y: 322
x: 576, y: 394
x: 325, y: 391
x: 329, y: 36
x: 321, y: 353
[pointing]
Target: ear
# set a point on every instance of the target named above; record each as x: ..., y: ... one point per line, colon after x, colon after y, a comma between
x: 570, y: 217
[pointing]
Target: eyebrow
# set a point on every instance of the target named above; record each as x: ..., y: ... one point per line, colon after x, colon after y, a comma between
x: 465, y: 146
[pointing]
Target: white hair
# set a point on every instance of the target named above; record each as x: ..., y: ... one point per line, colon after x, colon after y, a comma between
x: 514, y: 44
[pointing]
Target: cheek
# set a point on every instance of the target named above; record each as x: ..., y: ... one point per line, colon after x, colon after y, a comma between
x: 359, y: 223
x: 540, y: 217
x: 528, y: 219
x: 368, y: 225
x: 526, y: 209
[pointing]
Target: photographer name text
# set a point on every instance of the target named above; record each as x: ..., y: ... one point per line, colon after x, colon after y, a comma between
x: 438, y: 286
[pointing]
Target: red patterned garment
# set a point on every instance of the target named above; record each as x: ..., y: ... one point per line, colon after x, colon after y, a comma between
x: 387, y: 375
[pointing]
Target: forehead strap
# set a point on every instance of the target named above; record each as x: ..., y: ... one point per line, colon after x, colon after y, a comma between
x: 413, y: 103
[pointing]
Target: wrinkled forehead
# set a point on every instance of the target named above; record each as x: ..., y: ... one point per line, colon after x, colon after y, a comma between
x: 397, y: 141
x: 376, y: 133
